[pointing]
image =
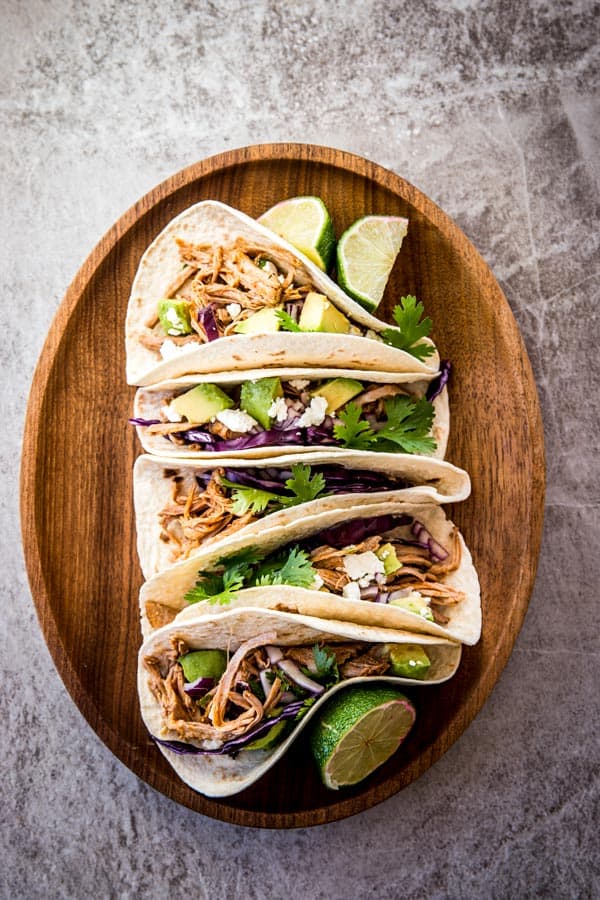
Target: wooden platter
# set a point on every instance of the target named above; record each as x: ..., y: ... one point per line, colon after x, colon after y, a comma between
x: 78, y: 453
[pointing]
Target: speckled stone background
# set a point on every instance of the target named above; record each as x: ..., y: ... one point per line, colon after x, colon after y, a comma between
x: 493, y: 110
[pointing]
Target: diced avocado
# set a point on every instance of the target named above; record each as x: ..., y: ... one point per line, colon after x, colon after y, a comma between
x: 387, y: 555
x: 202, y: 403
x: 409, y: 660
x: 268, y: 740
x: 338, y: 391
x: 174, y: 316
x: 257, y: 397
x: 416, y: 604
x: 320, y: 314
x: 265, y: 321
x: 203, y: 664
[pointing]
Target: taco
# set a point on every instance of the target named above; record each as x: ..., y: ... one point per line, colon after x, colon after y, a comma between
x: 216, y: 291
x: 251, y: 415
x: 183, y: 508
x: 391, y: 564
x: 224, y: 696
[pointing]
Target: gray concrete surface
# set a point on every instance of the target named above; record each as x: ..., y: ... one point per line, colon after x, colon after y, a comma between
x: 493, y: 110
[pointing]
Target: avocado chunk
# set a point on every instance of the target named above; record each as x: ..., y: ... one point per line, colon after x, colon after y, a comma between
x: 202, y: 403
x: 338, y: 391
x: 319, y: 314
x: 174, y: 316
x: 415, y: 604
x: 409, y: 660
x: 265, y: 321
x: 257, y: 397
x: 387, y: 555
x: 268, y: 740
x: 203, y: 664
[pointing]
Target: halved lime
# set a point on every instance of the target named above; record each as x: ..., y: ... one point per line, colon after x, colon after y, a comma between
x: 366, y: 253
x: 305, y: 223
x: 358, y: 730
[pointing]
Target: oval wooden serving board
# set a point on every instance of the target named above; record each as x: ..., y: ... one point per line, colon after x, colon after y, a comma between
x: 76, y: 478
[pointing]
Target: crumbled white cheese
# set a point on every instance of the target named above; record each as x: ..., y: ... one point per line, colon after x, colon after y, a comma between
x: 234, y: 309
x: 318, y: 582
x: 351, y: 591
x: 171, y: 414
x: 315, y: 413
x: 373, y: 335
x: 278, y: 409
x: 271, y: 268
x: 362, y: 567
x: 354, y: 329
x: 172, y: 317
x: 169, y: 350
x: 299, y: 383
x: 236, y: 420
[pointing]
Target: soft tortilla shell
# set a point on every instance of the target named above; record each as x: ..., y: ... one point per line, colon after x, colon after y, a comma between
x: 169, y: 587
x: 434, y: 480
x: 148, y: 402
x: 212, y: 222
x: 221, y: 776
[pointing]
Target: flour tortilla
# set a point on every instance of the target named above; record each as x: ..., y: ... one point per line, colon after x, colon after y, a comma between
x: 433, y: 479
x: 168, y: 588
x: 215, y: 223
x: 220, y: 775
x: 149, y: 400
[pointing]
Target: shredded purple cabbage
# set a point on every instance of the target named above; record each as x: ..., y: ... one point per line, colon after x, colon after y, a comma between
x: 144, y: 421
x: 439, y: 383
x: 338, y: 480
x: 198, y: 688
x: 273, y: 437
x: 206, y: 318
x: 358, y: 530
x: 236, y: 744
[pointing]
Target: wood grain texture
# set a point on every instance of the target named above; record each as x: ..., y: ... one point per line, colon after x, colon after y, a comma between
x: 78, y: 453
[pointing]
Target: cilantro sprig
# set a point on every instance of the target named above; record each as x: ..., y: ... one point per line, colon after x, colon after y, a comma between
x: 407, y: 427
x: 287, y: 323
x: 302, y: 487
x: 252, y: 568
x: 413, y: 328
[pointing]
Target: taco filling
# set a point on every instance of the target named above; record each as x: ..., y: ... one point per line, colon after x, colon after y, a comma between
x: 212, y: 703
x: 383, y: 559
x: 216, y: 504
x: 340, y: 412
x: 238, y: 289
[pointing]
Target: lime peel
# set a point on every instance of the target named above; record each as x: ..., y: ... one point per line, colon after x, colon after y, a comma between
x: 357, y: 731
x: 366, y: 253
x: 304, y: 222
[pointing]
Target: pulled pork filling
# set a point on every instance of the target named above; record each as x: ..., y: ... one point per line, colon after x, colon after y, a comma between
x: 219, y: 503
x: 416, y: 582
x: 221, y: 286
x: 262, y: 684
x: 402, y: 565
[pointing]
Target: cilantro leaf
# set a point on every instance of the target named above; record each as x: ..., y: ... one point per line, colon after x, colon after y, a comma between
x: 354, y: 432
x: 216, y: 588
x: 407, y: 315
x: 326, y: 664
x: 310, y: 701
x: 286, y: 567
x: 408, y: 426
x: 248, y: 498
x: 221, y: 587
x: 287, y: 323
x: 303, y: 486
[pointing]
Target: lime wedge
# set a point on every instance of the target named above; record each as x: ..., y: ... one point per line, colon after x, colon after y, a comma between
x: 366, y: 253
x: 357, y: 731
x: 306, y: 224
